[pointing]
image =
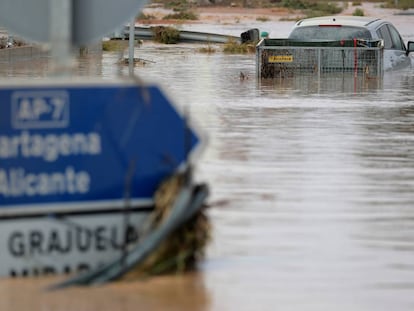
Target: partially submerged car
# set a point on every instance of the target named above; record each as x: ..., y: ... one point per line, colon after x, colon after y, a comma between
x: 361, y: 45
x: 356, y: 27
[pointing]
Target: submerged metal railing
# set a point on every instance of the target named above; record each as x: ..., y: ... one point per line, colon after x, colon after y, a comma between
x: 283, y: 58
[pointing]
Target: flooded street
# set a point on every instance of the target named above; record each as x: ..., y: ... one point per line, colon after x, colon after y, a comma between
x: 312, y: 190
x: 318, y: 184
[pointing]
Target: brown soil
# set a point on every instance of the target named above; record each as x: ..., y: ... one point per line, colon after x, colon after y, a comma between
x: 218, y: 10
x: 237, y: 14
x: 231, y: 14
x: 221, y: 15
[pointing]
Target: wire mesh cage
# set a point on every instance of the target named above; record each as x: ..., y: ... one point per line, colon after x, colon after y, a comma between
x: 279, y: 58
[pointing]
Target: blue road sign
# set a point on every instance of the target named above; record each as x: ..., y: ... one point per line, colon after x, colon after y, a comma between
x: 78, y: 143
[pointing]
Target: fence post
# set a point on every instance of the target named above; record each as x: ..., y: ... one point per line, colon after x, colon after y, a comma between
x: 61, y: 34
x: 319, y: 63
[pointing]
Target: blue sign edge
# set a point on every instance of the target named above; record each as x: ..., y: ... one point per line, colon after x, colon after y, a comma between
x: 193, y: 156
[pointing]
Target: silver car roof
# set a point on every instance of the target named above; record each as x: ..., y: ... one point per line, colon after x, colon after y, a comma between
x: 357, y: 21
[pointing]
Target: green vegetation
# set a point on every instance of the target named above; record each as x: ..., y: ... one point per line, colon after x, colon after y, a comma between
x: 208, y: 50
x: 144, y: 17
x: 182, y: 9
x: 311, y: 8
x: 114, y: 45
x: 233, y: 47
x: 290, y: 19
x: 399, y: 4
x: 3, y: 43
x: 262, y: 19
x: 358, y: 12
x: 182, y: 15
x: 177, y: 5
x: 16, y: 42
x: 295, y: 4
x: 167, y: 35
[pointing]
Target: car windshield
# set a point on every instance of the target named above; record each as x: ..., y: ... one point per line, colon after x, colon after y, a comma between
x: 323, y: 33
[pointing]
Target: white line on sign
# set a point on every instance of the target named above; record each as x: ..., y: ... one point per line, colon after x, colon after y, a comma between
x: 45, y: 109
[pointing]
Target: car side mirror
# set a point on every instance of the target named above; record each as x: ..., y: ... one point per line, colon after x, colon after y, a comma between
x: 410, y: 47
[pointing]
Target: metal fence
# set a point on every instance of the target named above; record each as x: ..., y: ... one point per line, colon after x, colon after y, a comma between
x: 280, y: 58
x: 21, y: 53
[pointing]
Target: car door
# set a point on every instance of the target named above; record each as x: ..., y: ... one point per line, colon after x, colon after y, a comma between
x: 395, y: 56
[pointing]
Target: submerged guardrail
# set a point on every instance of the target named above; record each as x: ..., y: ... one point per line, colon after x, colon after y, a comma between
x: 147, y: 33
x: 282, y: 58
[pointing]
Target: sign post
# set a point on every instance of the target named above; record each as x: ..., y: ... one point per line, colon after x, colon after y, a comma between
x: 65, y: 152
x: 91, y: 19
x: 66, y: 147
x: 131, y: 46
x: 61, y: 33
x: 72, y: 144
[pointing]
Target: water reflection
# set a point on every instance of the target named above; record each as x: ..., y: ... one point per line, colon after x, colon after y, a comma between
x: 326, y: 84
x: 386, y: 160
x: 318, y: 176
x: 40, y: 66
x: 33, y: 68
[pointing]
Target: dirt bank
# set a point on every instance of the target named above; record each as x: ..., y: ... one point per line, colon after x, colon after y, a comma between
x: 234, y: 15
x: 222, y: 15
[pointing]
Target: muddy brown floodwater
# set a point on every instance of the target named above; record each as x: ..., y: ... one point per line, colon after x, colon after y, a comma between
x: 315, y: 180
